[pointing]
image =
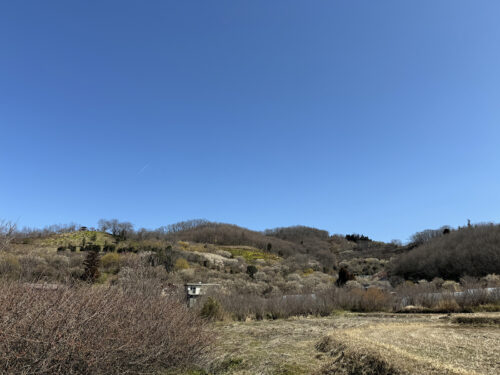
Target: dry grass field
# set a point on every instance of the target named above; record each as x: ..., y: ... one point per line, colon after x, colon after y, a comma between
x: 362, y: 344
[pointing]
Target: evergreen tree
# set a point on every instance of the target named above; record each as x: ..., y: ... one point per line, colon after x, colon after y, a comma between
x: 344, y: 277
x: 91, y: 264
x: 251, y: 271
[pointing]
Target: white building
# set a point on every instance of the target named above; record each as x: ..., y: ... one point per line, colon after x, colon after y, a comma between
x: 196, y: 290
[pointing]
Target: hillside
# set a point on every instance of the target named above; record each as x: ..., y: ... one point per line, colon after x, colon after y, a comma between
x: 290, y: 260
x: 470, y: 251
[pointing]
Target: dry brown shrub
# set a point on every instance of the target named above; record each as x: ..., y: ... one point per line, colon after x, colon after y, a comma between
x: 56, y: 329
x: 448, y: 305
x: 352, y: 361
x: 7, y: 232
x: 9, y: 266
x: 369, y: 300
x: 321, y: 303
x: 325, y: 344
x: 477, y: 320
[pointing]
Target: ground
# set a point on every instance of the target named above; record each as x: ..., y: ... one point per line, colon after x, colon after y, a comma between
x: 393, y: 343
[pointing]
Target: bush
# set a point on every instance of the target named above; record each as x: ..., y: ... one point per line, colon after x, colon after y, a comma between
x: 181, y: 264
x: 109, y: 248
x: 344, y: 277
x: 251, y: 271
x: 9, y: 266
x: 211, y: 310
x: 91, y: 267
x: 369, y: 300
x: 96, y: 330
x: 7, y: 232
x: 447, y: 305
x: 308, y: 271
x: 111, y: 262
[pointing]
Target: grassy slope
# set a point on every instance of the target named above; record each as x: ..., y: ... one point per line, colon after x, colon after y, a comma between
x: 250, y: 254
x: 75, y: 238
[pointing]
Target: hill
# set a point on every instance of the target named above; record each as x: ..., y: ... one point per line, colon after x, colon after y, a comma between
x: 288, y: 259
x: 469, y: 251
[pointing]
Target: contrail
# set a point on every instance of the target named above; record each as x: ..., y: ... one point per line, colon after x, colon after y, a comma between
x: 143, y: 168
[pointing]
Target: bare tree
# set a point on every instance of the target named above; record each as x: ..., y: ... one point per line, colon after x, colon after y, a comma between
x: 118, y: 229
x: 7, y: 230
x: 427, y: 235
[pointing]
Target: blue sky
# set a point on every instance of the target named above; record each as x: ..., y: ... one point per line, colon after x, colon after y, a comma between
x: 375, y: 117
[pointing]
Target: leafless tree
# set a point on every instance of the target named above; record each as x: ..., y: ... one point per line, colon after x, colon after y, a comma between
x: 119, y: 229
x: 7, y: 230
x: 427, y: 235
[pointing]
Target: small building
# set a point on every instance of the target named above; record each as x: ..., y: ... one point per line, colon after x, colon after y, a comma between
x: 196, y: 290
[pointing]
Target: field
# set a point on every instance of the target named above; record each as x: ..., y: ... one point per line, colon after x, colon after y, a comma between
x: 350, y: 343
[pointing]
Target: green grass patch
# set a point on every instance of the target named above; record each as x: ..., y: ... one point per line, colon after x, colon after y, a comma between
x: 76, y: 239
x: 250, y: 254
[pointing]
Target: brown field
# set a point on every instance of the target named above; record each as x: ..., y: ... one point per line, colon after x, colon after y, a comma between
x: 361, y: 344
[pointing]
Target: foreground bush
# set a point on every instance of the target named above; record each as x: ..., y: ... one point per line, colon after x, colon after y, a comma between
x: 95, y: 330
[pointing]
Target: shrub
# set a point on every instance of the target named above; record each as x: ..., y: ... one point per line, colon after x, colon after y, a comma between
x: 370, y: 300
x: 181, y: 264
x: 96, y: 330
x: 447, y: 305
x: 7, y: 232
x: 91, y: 267
x: 308, y: 271
x: 211, y: 310
x: 109, y: 248
x: 451, y: 286
x: 344, y: 277
x: 251, y: 270
x: 325, y: 344
x: 9, y: 266
x: 492, y: 280
x: 184, y: 244
x: 164, y: 257
x: 111, y: 262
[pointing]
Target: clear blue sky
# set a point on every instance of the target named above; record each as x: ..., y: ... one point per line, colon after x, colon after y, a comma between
x: 376, y: 117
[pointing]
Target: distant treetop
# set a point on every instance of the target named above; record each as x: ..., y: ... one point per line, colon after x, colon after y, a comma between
x: 356, y: 237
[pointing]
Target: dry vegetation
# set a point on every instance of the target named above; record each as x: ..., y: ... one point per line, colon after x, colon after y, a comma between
x: 359, y: 344
x: 470, y: 251
x: 433, y: 346
x: 281, y: 285
x: 56, y: 329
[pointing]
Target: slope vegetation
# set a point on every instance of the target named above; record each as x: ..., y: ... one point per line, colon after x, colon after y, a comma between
x: 472, y: 251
